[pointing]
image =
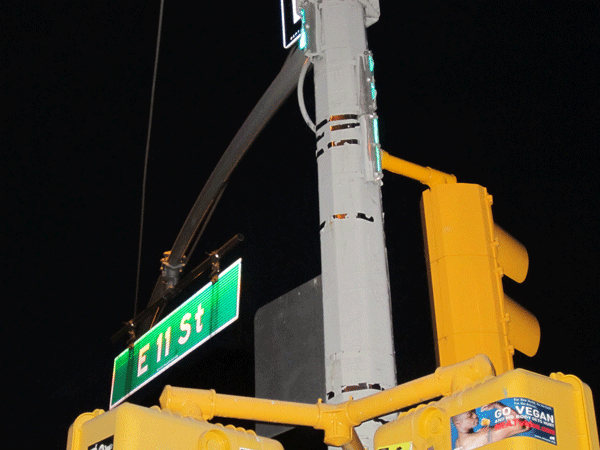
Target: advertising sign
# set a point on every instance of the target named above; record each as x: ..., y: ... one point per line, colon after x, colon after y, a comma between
x: 501, y: 420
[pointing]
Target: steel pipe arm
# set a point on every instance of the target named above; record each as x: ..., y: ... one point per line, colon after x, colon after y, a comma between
x: 425, y: 175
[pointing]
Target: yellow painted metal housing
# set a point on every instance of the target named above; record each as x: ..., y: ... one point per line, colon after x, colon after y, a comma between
x: 133, y: 427
x: 182, y: 423
x: 559, y: 416
x: 467, y: 255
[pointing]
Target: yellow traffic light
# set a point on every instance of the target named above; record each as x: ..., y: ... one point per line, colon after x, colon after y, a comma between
x: 467, y: 255
x: 134, y: 427
x: 522, y: 409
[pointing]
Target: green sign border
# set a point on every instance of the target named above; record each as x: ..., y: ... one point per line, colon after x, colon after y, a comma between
x: 195, y: 321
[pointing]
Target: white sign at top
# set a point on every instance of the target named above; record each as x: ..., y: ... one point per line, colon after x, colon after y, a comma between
x: 291, y: 22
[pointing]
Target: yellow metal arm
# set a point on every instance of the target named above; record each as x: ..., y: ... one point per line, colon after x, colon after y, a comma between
x: 425, y: 175
x: 444, y: 381
x: 337, y: 420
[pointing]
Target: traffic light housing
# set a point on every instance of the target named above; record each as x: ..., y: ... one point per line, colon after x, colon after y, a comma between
x: 519, y: 410
x: 134, y: 427
x: 467, y: 255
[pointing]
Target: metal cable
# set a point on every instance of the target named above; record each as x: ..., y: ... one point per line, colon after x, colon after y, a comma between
x: 300, y: 92
x: 139, y: 263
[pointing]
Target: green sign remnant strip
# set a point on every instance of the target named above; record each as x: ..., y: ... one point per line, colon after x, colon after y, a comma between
x: 199, y: 318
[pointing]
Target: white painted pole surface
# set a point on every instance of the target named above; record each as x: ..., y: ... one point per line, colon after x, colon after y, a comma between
x: 359, y: 352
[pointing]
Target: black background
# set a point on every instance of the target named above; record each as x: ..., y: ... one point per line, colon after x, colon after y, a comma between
x: 500, y: 94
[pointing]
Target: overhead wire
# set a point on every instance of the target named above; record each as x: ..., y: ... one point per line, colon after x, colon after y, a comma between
x: 145, y: 176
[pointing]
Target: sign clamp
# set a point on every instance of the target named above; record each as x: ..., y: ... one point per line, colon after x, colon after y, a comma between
x: 204, y: 314
x: 212, y: 262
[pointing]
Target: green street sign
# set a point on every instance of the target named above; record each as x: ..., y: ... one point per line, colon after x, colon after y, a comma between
x: 199, y: 318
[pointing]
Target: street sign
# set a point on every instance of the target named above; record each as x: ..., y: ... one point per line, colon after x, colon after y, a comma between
x: 289, y: 350
x: 199, y: 318
x: 291, y: 22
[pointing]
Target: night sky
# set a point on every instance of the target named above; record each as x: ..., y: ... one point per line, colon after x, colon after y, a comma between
x: 500, y: 94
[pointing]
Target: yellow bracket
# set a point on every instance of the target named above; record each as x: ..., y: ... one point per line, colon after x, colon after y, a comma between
x: 337, y: 420
x: 74, y: 439
x: 425, y: 175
